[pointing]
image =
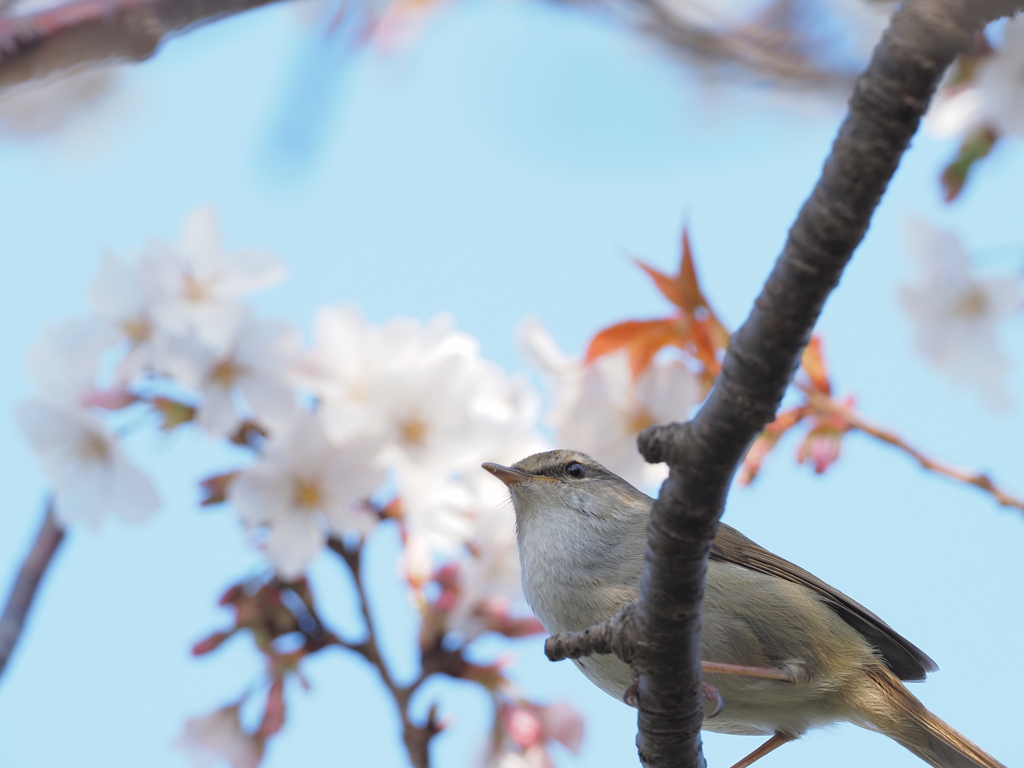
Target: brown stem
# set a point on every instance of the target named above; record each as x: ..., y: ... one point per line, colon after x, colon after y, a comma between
x: 416, y: 738
x: 12, y: 621
x: 93, y: 32
x: 885, y: 109
x: 856, y: 421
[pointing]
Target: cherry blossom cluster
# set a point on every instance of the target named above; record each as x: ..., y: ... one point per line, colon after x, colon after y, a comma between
x: 369, y: 423
x: 957, y: 314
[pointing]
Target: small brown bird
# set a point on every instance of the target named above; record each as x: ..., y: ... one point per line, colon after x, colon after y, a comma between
x: 582, y: 531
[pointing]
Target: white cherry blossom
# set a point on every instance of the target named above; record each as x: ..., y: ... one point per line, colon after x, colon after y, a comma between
x: 438, y: 510
x: 91, y: 476
x: 956, y: 315
x: 204, y: 284
x: 254, y: 363
x: 994, y: 99
x: 352, y: 356
x: 127, y: 296
x: 303, y: 488
x: 600, y: 410
x: 492, y: 572
x: 1000, y: 83
x: 64, y: 362
x: 423, y: 390
x: 219, y: 737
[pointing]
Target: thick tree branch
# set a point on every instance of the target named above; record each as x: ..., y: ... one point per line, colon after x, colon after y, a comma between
x: 91, y: 32
x: 885, y: 109
x: 751, y: 49
x: 12, y: 621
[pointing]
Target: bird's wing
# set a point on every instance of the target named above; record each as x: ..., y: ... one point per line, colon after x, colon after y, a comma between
x: 906, y: 660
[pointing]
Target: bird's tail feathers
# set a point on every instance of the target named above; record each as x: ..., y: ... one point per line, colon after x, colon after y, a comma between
x: 904, y: 719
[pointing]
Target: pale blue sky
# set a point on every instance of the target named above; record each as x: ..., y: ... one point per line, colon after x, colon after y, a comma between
x: 506, y: 165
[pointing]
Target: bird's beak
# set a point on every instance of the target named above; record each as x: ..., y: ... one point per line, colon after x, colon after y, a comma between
x: 508, y: 475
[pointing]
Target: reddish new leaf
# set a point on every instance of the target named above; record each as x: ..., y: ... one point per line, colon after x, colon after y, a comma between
x: 767, y: 440
x: 210, y: 643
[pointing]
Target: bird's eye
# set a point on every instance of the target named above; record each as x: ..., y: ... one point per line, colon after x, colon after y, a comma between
x: 575, y: 469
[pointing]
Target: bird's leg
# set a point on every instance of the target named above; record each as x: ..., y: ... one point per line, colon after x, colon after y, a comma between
x: 767, y: 673
x: 772, y: 744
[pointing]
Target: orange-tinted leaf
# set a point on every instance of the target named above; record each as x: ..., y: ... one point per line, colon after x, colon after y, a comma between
x: 813, y: 363
x: 706, y: 337
x: 633, y: 332
x: 689, y: 288
x: 682, y: 289
x: 668, y: 286
x: 650, y: 341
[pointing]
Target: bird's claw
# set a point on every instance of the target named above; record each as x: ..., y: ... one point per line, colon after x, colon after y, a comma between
x: 712, y: 695
x: 631, y: 695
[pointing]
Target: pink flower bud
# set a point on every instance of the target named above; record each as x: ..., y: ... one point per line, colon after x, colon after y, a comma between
x: 523, y: 724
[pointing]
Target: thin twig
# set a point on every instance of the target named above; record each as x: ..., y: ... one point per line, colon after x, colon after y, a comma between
x: 960, y: 474
x: 38, y: 559
x: 417, y: 738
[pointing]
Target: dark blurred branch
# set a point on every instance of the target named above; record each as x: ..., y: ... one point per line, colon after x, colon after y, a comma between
x: 885, y: 109
x: 786, y: 52
x: 38, y: 559
x: 92, y: 32
x: 88, y: 33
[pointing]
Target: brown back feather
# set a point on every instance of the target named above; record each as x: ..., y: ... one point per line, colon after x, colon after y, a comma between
x: 906, y: 660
